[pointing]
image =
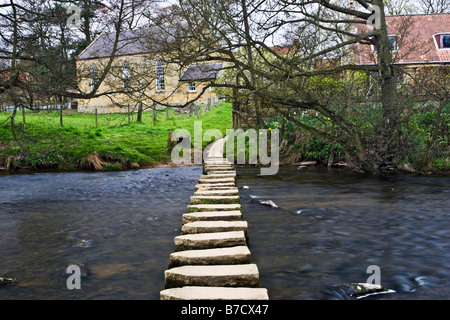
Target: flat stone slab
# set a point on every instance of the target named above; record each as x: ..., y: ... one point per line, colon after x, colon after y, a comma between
x: 219, y: 168
x: 214, y: 293
x: 239, y: 275
x: 221, y: 192
x: 218, y: 163
x: 216, y: 199
x: 216, y: 186
x: 210, y: 240
x: 215, y: 180
x: 218, y: 176
x: 229, y: 173
x: 220, y: 256
x: 212, y: 216
x: 214, y: 226
x: 214, y: 207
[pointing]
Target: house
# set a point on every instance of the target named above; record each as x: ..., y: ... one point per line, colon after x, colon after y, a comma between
x: 417, y: 42
x: 141, y: 72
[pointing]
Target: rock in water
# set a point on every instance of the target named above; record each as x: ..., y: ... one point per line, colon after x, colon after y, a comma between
x: 6, y: 281
x: 269, y: 203
x: 364, y: 290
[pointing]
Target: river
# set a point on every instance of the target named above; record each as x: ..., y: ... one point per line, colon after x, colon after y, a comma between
x: 329, y: 227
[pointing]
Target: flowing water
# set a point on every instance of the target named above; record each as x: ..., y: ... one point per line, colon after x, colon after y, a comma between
x: 119, y: 225
x: 329, y: 228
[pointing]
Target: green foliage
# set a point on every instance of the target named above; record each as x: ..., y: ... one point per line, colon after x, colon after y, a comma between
x: 43, y: 143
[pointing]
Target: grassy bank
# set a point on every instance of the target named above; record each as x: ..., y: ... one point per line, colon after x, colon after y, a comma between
x: 114, y: 144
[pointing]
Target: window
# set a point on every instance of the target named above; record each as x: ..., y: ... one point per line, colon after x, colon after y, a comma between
x: 191, y: 87
x: 443, y: 41
x: 160, y: 83
x: 126, y: 75
x: 94, y: 76
x: 393, y: 42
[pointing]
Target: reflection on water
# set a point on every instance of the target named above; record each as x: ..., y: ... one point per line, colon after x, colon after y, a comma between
x: 331, y: 226
x: 119, y: 225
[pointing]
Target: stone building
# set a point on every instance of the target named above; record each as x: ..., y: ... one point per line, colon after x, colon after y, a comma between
x: 140, y: 73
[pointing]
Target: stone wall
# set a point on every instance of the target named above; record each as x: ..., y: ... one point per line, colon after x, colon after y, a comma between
x: 142, y: 82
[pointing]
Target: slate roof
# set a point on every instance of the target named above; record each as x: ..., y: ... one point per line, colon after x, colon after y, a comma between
x: 133, y: 42
x: 415, y: 39
x: 141, y: 41
x: 202, y: 72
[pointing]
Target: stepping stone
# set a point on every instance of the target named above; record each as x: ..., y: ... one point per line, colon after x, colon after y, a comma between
x: 218, y: 168
x: 229, y: 173
x: 210, y: 240
x: 239, y: 275
x: 213, y: 159
x: 223, y: 192
x: 216, y: 186
x: 214, y: 226
x: 219, y: 176
x: 216, y: 199
x: 220, y: 256
x: 217, y: 162
x: 215, y: 180
x: 214, y: 207
x: 212, y: 216
x: 214, y: 293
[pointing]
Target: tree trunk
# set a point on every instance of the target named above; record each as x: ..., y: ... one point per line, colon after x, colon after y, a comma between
x: 389, y: 126
x: 250, y: 58
x: 139, y: 115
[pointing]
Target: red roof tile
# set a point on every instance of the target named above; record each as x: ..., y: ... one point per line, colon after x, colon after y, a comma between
x: 415, y: 39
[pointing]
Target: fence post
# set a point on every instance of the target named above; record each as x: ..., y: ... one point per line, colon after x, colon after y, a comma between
x: 129, y: 116
x: 167, y: 113
x: 23, y: 113
x: 61, y: 115
x: 96, y: 120
x: 139, y: 117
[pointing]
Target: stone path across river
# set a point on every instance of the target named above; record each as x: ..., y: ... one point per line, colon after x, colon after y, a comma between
x: 212, y: 260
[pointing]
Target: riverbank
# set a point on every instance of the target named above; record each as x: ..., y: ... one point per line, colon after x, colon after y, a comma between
x: 113, y: 144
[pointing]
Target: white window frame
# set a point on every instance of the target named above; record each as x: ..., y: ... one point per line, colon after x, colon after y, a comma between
x: 94, y: 76
x: 438, y: 46
x: 160, y: 76
x: 395, y: 46
x: 374, y: 49
x: 126, y: 75
x: 192, y: 86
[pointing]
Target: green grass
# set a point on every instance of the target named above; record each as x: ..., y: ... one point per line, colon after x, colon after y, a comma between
x: 43, y: 143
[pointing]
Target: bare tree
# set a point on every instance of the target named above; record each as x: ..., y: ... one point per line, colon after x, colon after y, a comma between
x: 318, y: 31
x: 38, y: 52
x: 434, y: 6
x: 397, y: 7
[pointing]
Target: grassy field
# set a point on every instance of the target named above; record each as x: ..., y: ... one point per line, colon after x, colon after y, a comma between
x: 113, y: 144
